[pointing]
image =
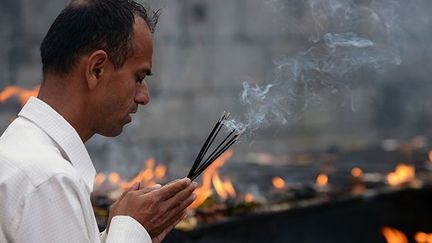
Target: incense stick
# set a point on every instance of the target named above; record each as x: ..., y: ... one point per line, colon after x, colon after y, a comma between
x: 218, y: 148
x: 208, y: 142
x: 198, y: 167
x: 217, y: 153
x: 213, y: 159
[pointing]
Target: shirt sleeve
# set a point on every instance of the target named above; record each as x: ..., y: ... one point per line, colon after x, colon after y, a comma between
x: 125, y: 227
x: 57, y: 211
x: 60, y: 211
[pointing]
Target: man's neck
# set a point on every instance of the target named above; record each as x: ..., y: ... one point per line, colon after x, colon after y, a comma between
x: 69, y: 102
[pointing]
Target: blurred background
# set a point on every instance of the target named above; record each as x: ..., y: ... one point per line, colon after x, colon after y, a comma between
x: 334, y: 95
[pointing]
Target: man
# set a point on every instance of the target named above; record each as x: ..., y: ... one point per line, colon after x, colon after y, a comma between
x: 95, y: 57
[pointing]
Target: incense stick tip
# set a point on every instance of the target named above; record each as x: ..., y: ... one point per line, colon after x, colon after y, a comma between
x: 223, y: 116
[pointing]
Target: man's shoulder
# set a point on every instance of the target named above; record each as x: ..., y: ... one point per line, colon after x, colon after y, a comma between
x: 26, y: 151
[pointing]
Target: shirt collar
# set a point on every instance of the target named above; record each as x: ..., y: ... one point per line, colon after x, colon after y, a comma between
x: 63, y: 134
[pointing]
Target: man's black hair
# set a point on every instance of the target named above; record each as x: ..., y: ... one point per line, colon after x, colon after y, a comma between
x: 90, y: 25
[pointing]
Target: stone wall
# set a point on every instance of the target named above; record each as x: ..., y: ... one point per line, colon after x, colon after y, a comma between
x: 204, y: 50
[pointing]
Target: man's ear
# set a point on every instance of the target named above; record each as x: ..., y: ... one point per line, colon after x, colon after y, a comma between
x: 97, y: 63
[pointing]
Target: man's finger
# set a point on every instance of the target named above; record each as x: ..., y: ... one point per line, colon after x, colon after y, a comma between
x: 149, y: 189
x: 181, y: 196
x: 170, y: 190
x: 176, y: 211
x: 164, y: 233
x: 132, y: 188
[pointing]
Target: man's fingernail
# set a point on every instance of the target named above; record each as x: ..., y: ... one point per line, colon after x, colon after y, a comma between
x: 156, y: 186
x: 194, y: 184
x: 194, y: 196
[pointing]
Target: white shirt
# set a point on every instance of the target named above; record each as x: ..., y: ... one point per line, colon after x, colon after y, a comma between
x: 46, y: 177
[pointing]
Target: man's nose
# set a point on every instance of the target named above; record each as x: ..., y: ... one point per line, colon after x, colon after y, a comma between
x: 142, y: 96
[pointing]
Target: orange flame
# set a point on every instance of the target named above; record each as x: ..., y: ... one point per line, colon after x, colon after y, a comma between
x: 160, y: 171
x: 100, y: 178
x: 430, y: 155
x: 229, y: 188
x: 356, y: 172
x: 249, y: 198
x: 223, y: 188
x: 322, y: 180
x: 393, y: 235
x: 22, y: 94
x: 422, y: 237
x: 217, y: 184
x: 278, y: 183
x: 204, y: 191
x: 147, y: 175
x: 402, y: 174
x: 114, y: 178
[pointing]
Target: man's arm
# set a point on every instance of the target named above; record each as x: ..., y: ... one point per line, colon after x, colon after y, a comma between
x: 59, y: 211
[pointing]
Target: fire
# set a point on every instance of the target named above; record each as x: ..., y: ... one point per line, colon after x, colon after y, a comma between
x: 22, y: 94
x: 322, y: 180
x: 249, y: 198
x: 356, y: 172
x: 430, y: 155
x: 278, y: 183
x: 100, y: 178
x: 422, y: 237
x: 402, y: 174
x: 147, y: 175
x: 223, y: 188
x: 160, y: 171
x: 204, y: 191
x: 114, y: 178
x: 393, y: 235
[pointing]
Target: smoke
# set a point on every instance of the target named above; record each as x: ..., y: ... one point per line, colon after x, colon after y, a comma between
x: 348, y: 39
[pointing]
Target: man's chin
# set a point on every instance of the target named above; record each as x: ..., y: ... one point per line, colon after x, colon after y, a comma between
x: 112, y: 133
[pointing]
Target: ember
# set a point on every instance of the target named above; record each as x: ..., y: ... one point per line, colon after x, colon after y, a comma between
x: 402, y: 174
x: 322, y: 180
x: 278, y: 183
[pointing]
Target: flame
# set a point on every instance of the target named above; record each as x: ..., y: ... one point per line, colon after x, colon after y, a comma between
x: 422, y: 237
x: 356, y: 172
x: 160, y: 171
x: 430, y: 155
x: 223, y: 188
x: 22, y: 94
x: 229, y: 188
x: 322, y: 180
x: 114, y: 178
x: 147, y: 175
x: 249, y: 198
x: 204, y: 191
x: 402, y: 174
x: 393, y: 235
x: 100, y: 178
x: 278, y: 183
x: 217, y: 184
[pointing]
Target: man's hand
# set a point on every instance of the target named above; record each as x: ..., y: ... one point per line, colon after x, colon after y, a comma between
x: 157, y: 209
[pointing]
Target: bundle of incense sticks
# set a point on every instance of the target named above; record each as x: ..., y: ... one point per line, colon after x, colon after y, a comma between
x: 202, y: 164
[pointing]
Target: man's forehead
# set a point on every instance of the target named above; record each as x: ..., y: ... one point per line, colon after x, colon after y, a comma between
x: 142, y: 39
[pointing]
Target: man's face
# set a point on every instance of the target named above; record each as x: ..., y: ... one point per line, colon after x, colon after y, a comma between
x: 126, y: 88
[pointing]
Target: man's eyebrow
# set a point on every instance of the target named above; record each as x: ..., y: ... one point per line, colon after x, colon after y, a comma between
x: 149, y: 72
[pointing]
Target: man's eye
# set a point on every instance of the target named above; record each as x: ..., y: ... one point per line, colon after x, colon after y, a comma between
x: 139, y: 80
